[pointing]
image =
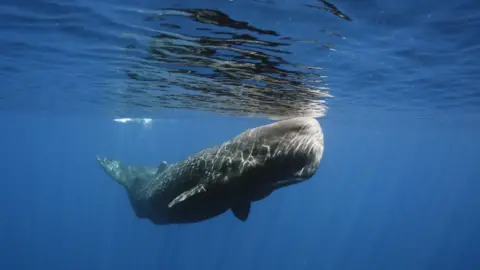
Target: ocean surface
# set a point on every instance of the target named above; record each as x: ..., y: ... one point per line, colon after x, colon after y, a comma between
x: 394, y: 85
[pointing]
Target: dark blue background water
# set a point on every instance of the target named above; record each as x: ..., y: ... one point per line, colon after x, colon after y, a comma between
x: 398, y: 187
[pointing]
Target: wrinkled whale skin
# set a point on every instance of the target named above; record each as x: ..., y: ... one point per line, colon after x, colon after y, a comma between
x: 228, y: 176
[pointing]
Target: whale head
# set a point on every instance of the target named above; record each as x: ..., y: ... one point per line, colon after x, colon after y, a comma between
x: 280, y: 154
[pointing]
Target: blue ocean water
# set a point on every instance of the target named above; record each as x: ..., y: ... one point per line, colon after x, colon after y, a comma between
x: 393, y: 84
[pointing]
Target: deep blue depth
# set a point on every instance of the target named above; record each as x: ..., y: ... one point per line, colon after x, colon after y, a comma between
x: 398, y: 187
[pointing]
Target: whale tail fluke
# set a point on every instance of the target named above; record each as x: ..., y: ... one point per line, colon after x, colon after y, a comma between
x: 120, y: 172
x: 129, y: 176
x: 133, y: 178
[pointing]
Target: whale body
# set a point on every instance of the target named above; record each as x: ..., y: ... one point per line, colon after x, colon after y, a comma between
x: 228, y: 176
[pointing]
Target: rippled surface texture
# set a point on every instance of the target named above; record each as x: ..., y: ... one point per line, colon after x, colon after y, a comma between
x: 263, y: 58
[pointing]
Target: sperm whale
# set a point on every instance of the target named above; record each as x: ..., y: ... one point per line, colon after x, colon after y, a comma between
x: 228, y: 176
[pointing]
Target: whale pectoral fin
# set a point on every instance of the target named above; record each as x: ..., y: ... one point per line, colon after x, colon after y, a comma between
x: 187, y: 194
x: 242, y: 210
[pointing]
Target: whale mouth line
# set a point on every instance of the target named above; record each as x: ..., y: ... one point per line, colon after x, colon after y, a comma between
x: 285, y: 183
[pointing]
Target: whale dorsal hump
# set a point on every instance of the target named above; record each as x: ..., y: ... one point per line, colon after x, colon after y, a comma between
x: 162, y: 167
x: 187, y: 194
x: 242, y: 210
